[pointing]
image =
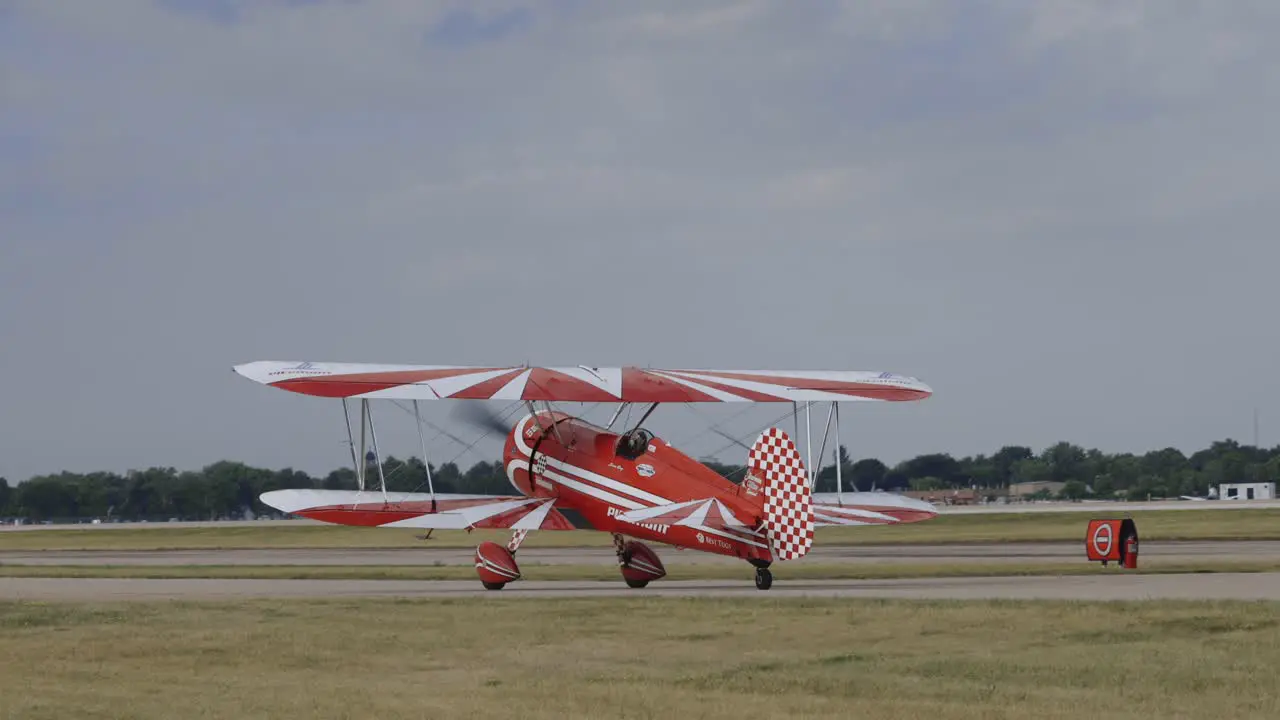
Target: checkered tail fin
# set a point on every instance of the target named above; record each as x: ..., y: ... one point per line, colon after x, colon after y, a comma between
x: 788, y: 508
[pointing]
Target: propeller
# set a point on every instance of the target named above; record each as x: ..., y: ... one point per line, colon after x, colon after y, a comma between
x: 482, y: 417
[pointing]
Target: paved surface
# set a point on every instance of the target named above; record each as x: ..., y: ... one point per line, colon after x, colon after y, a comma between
x: 1258, y: 586
x: 1073, y: 552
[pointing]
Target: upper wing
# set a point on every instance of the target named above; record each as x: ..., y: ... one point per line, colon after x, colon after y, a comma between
x: 415, y: 510
x: 869, y: 508
x: 581, y: 383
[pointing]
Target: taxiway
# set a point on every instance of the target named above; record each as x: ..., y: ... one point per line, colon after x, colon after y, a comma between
x: 1225, y: 586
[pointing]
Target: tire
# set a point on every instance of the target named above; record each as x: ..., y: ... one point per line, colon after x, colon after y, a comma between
x: 764, y: 579
x: 492, y: 586
x: 637, y: 583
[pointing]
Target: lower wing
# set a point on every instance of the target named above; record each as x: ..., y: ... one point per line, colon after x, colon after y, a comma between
x: 869, y: 508
x: 443, y: 511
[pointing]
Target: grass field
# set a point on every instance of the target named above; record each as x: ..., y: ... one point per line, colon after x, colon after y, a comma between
x: 609, y: 573
x: 1005, y: 527
x: 704, y: 658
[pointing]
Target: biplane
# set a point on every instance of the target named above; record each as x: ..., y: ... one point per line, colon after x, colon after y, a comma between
x: 570, y: 474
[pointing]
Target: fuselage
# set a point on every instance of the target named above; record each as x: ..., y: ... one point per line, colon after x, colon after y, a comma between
x: 594, y: 475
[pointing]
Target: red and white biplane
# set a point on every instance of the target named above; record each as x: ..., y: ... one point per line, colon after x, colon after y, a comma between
x: 572, y: 474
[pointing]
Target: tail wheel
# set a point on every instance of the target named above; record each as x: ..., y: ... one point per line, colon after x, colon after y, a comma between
x: 764, y: 579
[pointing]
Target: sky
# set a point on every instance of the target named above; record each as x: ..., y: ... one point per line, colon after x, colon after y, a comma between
x: 1061, y: 214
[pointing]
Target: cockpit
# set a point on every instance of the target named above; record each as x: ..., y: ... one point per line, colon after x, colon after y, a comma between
x: 632, y: 444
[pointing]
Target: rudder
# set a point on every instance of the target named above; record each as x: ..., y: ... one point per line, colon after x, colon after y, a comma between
x: 775, y: 462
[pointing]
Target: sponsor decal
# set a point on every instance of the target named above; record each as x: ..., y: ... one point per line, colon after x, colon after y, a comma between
x: 645, y: 470
x: 1102, y: 539
x: 301, y: 368
x: 655, y: 527
x: 712, y: 540
x: 751, y: 484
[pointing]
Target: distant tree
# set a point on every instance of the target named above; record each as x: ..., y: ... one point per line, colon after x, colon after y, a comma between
x: 1031, y: 470
x: 228, y: 488
x: 1006, y: 459
x: 47, y: 497
x: 867, y: 474
x: 1103, y: 487
x: 936, y: 465
x: 1064, y: 461
x: 1074, y: 490
x: 927, y: 483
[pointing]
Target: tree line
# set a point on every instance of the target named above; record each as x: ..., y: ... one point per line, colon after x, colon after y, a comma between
x: 230, y: 490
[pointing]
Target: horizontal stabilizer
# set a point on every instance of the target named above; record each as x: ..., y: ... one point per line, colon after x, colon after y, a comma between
x: 580, y: 383
x: 447, y: 511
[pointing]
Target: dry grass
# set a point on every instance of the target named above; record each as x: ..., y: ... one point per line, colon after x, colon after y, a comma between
x: 657, y: 658
x: 609, y: 573
x: 1002, y: 527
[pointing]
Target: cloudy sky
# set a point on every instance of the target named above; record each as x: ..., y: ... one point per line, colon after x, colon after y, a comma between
x: 1061, y: 214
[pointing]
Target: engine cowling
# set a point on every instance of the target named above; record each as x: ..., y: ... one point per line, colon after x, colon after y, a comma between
x: 641, y: 564
x: 495, y: 565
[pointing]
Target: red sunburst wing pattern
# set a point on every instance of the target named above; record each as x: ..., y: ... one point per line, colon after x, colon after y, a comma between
x: 581, y: 383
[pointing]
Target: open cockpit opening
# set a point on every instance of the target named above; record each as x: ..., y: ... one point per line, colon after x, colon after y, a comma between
x: 633, y: 443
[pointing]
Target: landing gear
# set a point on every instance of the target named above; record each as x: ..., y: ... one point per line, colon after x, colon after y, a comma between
x: 496, y: 565
x: 639, y: 564
x: 764, y: 579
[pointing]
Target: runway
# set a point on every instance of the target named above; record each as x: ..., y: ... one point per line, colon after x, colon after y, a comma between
x: 1226, y: 586
x: 1073, y: 552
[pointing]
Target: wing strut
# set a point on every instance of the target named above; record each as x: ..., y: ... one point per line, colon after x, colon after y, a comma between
x: 423, y: 442
x: 364, y: 459
x: 836, y: 450
x: 614, y: 419
x: 646, y: 415
x: 826, y: 432
x: 377, y: 457
x: 351, y: 443
x: 808, y: 444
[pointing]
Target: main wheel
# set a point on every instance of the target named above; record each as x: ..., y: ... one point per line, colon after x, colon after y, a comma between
x: 637, y: 583
x: 499, y: 586
x: 764, y: 579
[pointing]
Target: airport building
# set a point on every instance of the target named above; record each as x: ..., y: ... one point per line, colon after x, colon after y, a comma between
x: 1247, y: 491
